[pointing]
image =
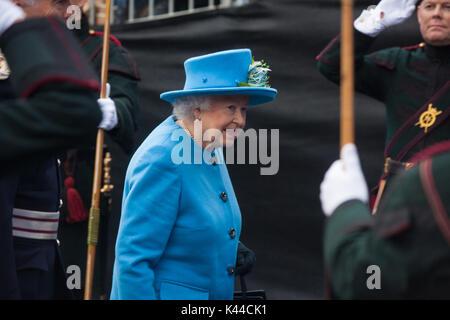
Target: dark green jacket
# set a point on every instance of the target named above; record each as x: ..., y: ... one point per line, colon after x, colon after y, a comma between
x: 123, y: 78
x: 408, y: 239
x: 57, y: 108
x: 406, y: 80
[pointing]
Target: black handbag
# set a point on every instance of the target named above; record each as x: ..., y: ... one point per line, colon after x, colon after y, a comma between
x: 244, y: 294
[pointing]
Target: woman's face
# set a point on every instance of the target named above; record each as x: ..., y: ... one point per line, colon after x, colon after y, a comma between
x: 227, y: 114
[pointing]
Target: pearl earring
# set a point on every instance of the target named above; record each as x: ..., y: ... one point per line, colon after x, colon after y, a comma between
x: 198, y: 132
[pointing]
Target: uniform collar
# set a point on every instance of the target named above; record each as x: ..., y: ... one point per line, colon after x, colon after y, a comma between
x: 438, y: 53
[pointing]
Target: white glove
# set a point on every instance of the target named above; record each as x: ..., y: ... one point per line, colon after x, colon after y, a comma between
x: 9, y: 13
x: 343, y: 181
x: 386, y: 14
x: 108, y: 108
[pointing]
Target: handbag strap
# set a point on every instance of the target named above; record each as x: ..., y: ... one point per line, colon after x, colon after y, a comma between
x: 243, y: 286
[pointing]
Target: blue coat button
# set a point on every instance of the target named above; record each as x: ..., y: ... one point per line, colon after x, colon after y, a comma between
x: 230, y: 270
x: 224, y: 196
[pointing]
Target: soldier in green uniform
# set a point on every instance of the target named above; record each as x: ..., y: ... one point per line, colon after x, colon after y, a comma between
x: 41, y: 121
x: 412, y: 82
x: 123, y: 78
x: 48, y: 104
x: 122, y: 106
x: 403, y: 252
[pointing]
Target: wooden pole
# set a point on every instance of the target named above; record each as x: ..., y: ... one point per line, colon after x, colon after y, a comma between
x: 347, y: 74
x: 94, y: 213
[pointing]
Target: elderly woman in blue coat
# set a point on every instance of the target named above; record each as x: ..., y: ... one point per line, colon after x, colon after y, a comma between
x: 180, y: 224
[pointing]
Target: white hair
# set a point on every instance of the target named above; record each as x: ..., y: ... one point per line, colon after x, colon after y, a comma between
x: 183, y: 107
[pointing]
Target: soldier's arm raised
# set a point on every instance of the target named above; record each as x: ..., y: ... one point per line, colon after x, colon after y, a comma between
x: 373, y: 73
x: 386, y: 14
x: 368, y: 77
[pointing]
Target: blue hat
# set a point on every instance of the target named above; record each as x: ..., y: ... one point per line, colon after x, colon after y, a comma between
x: 226, y: 72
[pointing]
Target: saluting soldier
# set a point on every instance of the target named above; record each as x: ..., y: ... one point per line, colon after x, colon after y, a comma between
x: 413, y: 82
x: 404, y: 251
x: 48, y: 104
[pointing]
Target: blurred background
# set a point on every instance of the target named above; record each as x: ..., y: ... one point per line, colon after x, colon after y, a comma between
x: 282, y: 219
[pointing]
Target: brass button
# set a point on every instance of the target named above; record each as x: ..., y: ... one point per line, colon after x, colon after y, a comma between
x: 232, y: 233
x: 224, y: 196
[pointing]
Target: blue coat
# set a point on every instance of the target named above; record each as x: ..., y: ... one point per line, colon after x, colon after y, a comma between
x: 180, y: 223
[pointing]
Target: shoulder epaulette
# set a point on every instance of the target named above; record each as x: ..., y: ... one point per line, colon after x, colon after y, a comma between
x: 417, y: 46
x: 111, y: 37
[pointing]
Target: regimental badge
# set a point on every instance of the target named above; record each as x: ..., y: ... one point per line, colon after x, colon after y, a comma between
x: 428, y: 118
x: 4, y: 68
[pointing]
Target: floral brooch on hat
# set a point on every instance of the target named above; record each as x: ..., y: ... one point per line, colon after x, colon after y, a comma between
x: 258, y: 75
